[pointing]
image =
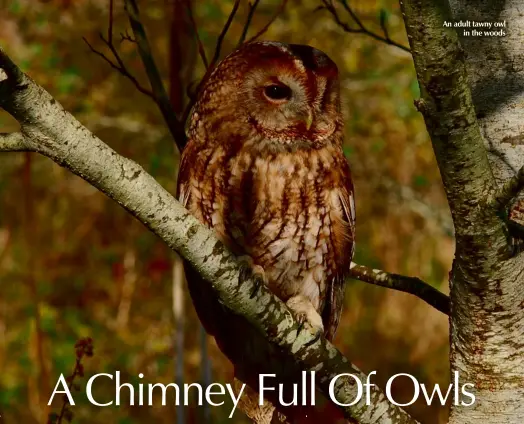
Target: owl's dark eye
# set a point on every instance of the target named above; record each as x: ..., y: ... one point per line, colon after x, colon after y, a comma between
x: 277, y: 92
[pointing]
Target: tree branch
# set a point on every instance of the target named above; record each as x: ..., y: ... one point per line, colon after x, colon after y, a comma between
x: 223, y: 33
x: 214, y: 60
x: 55, y: 133
x: 264, y: 29
x: 175, y: 126
x: 411, y: 285
x: 362, y: 29
x: 252, y: 8
x: 201, y: 50
x: 13, y: 142
x: 119, y: 66
x: 509, y: 190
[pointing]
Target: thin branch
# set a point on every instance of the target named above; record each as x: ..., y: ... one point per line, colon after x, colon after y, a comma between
x: 119, y: 66
x: 216, y: 56
x: 509, y: 190
x: 223, y: 33
x: 59, y: 136
x: 14, y: 142
x: 383, y: 25
x: 266, y: 27
x: 110, y: 26
x: 201, y: 50
x: 252, y: 8
x: 214, y: 60
x: 124, y: 36
x: 411, y: 285
x: 175, y: 126
x: 362, y: 29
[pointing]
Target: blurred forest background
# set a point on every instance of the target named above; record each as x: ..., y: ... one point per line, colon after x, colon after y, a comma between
x: 74, y: 264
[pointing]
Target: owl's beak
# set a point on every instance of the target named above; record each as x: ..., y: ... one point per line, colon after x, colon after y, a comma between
x: 308, y: 120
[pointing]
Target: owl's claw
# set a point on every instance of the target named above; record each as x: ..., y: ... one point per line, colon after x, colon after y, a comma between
x: 249, y: 268
x: 305, y: 312
x: 317, y: 336
x: 318, y: 331
x: 258, y: 283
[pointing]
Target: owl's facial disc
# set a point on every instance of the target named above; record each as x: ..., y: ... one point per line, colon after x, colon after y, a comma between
x: 277, y: 103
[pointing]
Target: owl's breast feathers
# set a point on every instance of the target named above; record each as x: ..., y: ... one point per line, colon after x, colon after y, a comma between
x: 292, y: 212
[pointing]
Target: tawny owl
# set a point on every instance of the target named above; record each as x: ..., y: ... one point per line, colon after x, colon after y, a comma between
x: 264, y: 167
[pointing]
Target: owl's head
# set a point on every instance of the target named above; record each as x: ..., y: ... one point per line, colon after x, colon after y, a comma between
x: 287, y: 94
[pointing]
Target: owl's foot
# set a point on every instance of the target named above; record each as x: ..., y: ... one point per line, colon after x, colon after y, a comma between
x: 249, y: 268
x: 305, y: 312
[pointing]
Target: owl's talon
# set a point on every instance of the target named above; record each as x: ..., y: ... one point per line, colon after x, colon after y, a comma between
x: 317, y: 336
x: 305, y: 312
x: 258, y: 283
x: 250, y: 269
x: 301, y: 321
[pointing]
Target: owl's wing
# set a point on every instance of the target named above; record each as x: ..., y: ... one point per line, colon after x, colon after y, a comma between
x: 184, y: 175
x: 335, y: 294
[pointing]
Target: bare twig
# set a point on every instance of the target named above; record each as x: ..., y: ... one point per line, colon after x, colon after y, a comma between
x: 119, y: 66
x: 176, y: 127
x: 214, y: 60
x: 124, y: 36
x: 411, y: 285
x: 362, y: 29
x: 110, y: 26
x: 223, y: 33
x: 273, y: 19
x: 83, y: 347
x: 252, y: 8
x: 201, y: 50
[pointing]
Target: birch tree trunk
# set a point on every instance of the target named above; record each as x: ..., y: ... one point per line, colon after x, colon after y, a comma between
x: 476, y: 126
x: 493, y: 359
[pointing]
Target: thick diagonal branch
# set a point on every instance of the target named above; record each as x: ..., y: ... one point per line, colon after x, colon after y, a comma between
x: 55, y: 133
x: 411, y: 285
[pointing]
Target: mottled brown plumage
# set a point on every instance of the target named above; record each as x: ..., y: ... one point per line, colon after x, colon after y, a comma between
x: 264, y: 167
